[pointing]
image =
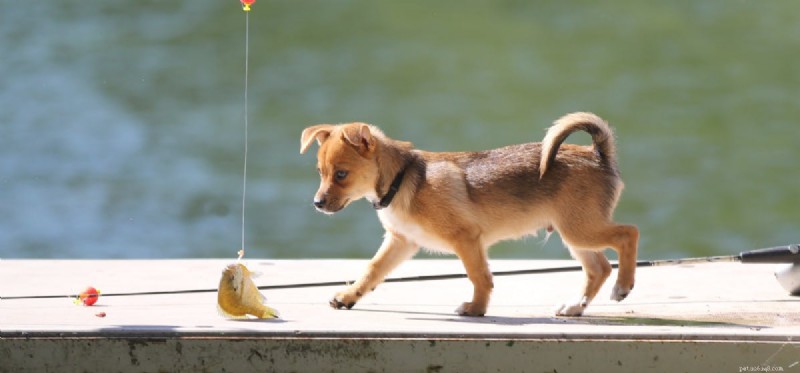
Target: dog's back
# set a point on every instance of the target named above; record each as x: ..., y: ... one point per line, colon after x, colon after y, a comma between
x: 518, y: 189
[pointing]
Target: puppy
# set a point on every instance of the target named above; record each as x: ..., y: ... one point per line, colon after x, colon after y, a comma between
x: 464, y: 202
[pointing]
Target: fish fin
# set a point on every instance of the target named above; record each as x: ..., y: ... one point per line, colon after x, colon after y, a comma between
x: 256, y: 274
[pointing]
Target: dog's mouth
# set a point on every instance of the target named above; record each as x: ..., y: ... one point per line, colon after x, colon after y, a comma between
x: 326, y: 211
x: 330, y: 208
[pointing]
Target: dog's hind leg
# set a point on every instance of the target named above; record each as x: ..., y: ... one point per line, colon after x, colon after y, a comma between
x: 622, y: 238
x: 625, y: 240
x: 597, y: 269
x: 394, y: 250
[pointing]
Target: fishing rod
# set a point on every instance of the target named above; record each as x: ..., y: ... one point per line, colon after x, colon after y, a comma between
x: 788, y: 277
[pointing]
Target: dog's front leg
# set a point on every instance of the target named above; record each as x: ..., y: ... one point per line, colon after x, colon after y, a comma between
x: 394, y: 250
x: 477, y: 265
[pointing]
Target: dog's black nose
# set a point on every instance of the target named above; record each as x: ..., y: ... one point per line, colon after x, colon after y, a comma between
x: 318, y: 203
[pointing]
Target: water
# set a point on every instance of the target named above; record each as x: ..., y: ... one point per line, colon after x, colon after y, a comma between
x: 121, y: 128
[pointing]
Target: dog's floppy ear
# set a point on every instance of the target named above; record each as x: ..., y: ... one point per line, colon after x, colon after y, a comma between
x: 359, y: 135
x: 320, y: 132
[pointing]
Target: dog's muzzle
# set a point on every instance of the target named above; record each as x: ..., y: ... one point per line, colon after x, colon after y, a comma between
x: 327, y: 206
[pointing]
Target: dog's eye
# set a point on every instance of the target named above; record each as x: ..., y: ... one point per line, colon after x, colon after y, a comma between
x: 340, y: 175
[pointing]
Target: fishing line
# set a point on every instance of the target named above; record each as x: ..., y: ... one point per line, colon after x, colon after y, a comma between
x: 246, y: 124
x: 779, y: 254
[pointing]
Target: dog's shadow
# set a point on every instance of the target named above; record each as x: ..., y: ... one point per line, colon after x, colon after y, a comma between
x: 543, y: 320
x: 452, y: 317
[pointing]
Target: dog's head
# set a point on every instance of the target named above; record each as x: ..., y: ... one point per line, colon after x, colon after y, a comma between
x: 346, y: 163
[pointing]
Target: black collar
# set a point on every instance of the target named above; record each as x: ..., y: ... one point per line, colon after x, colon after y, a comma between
x: 393, y: 188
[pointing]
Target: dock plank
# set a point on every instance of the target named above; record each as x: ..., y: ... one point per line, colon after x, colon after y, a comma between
x: 722, y: 307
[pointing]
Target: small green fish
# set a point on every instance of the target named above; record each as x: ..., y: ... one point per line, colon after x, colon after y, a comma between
x: 238, y: 295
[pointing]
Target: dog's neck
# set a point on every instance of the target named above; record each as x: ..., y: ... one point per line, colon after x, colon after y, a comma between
x: 394, y: 161
x: 393, y: 188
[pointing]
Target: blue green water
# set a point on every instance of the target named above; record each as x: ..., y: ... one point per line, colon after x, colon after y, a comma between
x: 122, y: 123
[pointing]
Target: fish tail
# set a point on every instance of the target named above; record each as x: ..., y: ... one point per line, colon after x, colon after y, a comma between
x: 269, y: 313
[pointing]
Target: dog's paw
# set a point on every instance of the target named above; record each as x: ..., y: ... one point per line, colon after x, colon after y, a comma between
x: 570, y: 310
x: 620, y: 292
x: 573, y: 309
x: 343, y: 300
x: 471, y: 309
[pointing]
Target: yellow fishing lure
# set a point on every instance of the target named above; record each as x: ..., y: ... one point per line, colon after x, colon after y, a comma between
x: 238, y: 295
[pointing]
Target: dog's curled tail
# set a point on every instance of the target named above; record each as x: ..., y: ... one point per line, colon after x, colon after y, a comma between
x: 602, y: 137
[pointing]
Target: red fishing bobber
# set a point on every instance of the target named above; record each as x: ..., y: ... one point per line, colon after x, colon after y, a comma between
x: 88, y: 297
x: 246, y: 4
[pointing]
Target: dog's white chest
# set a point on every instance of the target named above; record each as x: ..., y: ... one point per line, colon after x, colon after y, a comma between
x: 413, y: 231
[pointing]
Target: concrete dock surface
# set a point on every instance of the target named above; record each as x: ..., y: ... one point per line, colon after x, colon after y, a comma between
x: 716, y: 317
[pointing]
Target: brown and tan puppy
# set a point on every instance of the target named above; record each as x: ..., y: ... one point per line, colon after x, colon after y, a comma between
x: 464, y: 202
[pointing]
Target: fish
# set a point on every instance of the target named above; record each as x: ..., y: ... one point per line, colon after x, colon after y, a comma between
x: 238, y: 295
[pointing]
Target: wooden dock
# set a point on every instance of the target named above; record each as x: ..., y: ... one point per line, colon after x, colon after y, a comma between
x: 725, y: 317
